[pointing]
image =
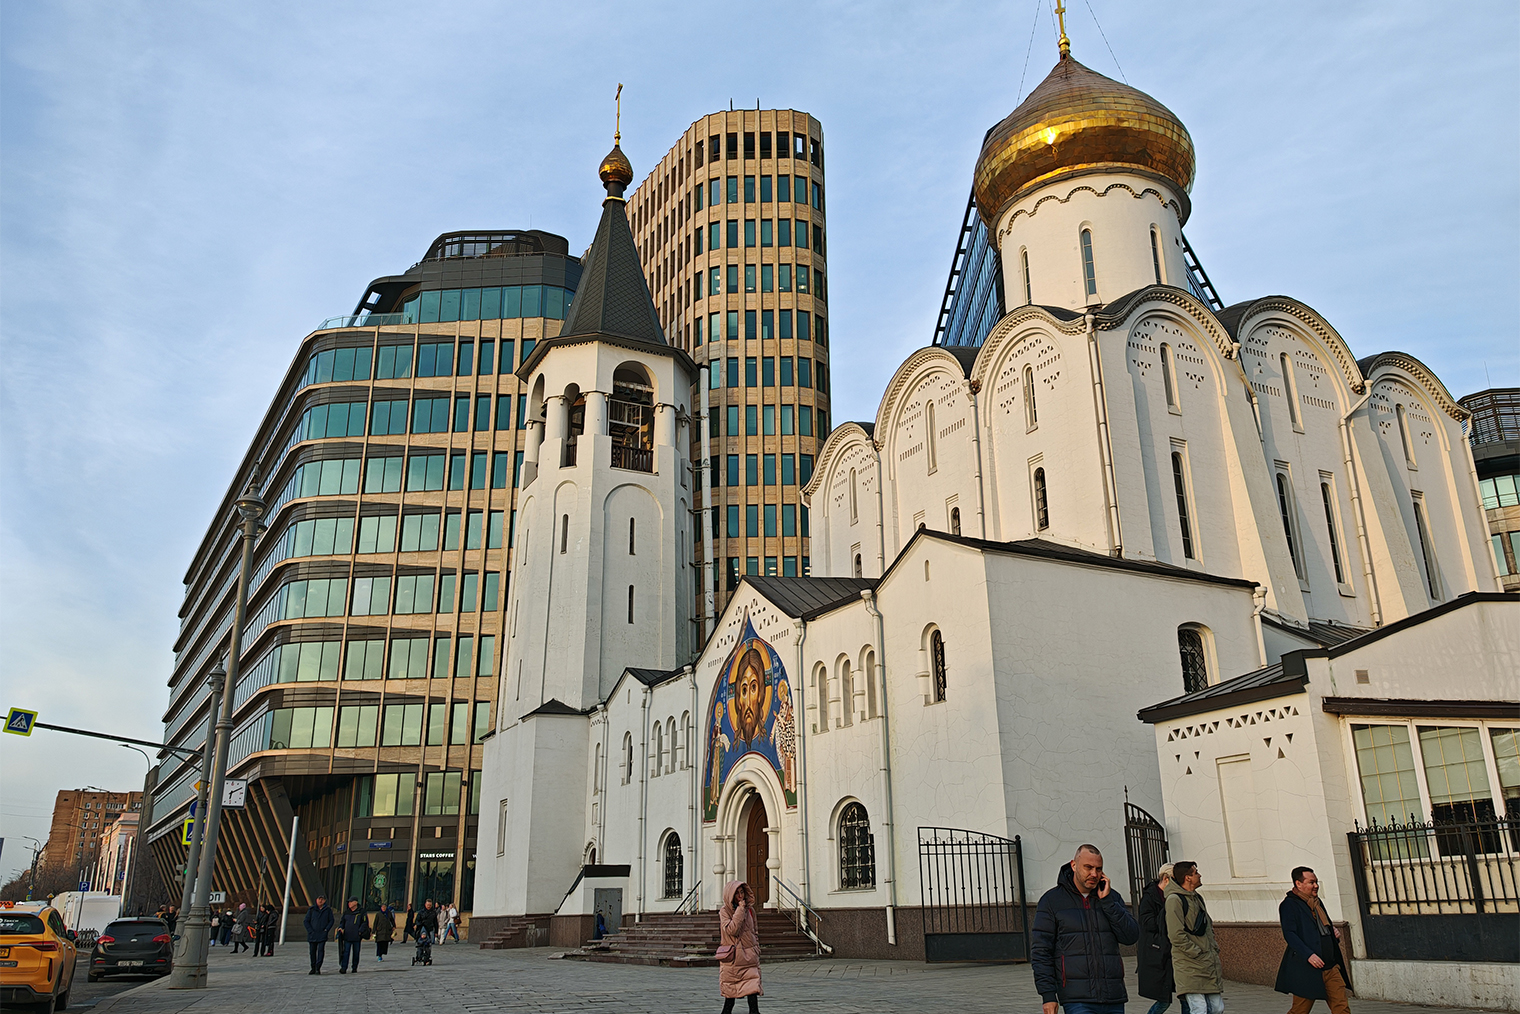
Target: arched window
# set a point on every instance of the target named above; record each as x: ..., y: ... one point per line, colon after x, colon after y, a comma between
x: 937, y: 664
x: 686, y: 739
x: 1041, y: 501
x: 955, y: 520
x: 1195, y: 663
x: 858, y: 571
x: 627, y: 757
x: 857, y: 848
x: 1179, y: 481
x: 1398, y: 411
x: 854, y: 499
x: 1335, y: 542
x: 670, y: 737
x: 1290, y: 390
x: 929, y: 436
x: 675, y: 875
x: 564, y: 532
x: 1089, y: 271
x: 1427, y: 550
x: 1285, y: 510
x: 1028, y: 286
x: 821, y: 695
x: 1168, y: 376
x: 1156, y: 255
x: 869, y: 675
x: 596, y: 771
x: 659, y: 751
x: 630, y: 536
x: 846, y: 693
x: 1031, y: 411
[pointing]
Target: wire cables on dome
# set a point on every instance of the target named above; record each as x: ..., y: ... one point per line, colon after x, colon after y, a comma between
x: 1030, y: 49
x: 1104, y: 37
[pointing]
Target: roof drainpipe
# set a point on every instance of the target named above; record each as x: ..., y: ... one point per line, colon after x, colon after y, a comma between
x: 1363, y: 543
x: 689, y: 732
x: 1105, y: 441
x: 799, y: 720
x: 1259, y: 602
x: 869, y: 597
x: 643, y: 799
x: 976, y: 442
x: 704, y: 479
x: 881, y: 514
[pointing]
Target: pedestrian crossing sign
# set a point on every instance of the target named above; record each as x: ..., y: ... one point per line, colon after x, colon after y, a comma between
x: 19, y: 722
x: 187, y: 830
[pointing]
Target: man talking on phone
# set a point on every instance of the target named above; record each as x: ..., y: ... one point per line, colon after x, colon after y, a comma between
x: 1074, y: 946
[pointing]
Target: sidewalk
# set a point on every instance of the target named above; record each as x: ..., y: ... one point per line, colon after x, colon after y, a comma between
x: 465, y: 978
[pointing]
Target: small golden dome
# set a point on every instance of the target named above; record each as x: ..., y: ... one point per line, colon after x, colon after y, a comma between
x: 616, y: 167
x: 1078, y: 120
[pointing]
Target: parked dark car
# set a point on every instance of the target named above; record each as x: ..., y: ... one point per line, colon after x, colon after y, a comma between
x: 132, y: 947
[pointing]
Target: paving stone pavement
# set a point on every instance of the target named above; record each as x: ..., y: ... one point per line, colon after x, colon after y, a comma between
x: 466, y: 979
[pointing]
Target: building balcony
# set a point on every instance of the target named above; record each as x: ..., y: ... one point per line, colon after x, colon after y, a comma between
x: 637, y: 459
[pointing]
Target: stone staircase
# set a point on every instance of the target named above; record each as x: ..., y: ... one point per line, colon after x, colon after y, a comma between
x: 519, y: 931
x: 686, y: 940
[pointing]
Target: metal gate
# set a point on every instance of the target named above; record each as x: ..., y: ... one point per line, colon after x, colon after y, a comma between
x: 971, y: 887
x: 1145, y: 844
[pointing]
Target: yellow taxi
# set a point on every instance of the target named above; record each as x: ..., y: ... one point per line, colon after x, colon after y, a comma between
x: 36, y: 958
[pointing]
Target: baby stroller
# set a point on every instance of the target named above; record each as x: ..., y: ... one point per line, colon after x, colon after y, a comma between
x: 424, y: 955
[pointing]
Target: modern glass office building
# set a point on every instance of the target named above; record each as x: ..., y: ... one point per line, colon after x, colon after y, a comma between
x: 389, y: 462
x: 731, y: 231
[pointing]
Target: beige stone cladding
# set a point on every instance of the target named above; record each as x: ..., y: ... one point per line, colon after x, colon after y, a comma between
x: 738, y: 272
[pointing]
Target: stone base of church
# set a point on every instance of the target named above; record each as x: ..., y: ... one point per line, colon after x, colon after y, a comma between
x: 1252, y: 951
x: 484, y: 927
x: 570, y: 931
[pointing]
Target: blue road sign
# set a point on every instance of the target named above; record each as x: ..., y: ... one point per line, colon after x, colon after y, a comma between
x: 19, y: 721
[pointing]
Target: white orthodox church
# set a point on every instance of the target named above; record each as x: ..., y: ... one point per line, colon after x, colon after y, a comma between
x: 1121, y: 496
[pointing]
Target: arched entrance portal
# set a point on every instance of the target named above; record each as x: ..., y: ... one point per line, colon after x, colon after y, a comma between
x: 757, y: 851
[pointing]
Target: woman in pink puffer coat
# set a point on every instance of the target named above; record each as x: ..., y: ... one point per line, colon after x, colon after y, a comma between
x: 740, y: 974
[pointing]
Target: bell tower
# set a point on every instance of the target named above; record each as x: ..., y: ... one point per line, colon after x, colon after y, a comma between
x: 602, y: 555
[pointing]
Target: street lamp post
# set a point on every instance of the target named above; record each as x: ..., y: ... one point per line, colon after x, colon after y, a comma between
x: 215, y: 679
x: 191, y: 974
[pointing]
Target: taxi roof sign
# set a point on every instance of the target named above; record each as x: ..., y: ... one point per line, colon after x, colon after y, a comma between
x: 19, y: 722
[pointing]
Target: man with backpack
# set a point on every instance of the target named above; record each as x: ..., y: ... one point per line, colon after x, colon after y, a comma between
x: 1197, y: 971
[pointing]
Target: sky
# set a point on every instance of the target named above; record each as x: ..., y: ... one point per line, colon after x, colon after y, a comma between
x: 188, y: 189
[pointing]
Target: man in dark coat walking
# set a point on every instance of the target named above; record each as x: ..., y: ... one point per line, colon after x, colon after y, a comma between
x: 1312, y: 967
x: 1078, y: 927
x: 1153, y: 957
x: 318, y: 923
x: 353, y: 927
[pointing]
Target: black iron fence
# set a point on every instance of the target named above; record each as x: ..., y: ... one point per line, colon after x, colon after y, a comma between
x: 972, y: 893
x: 1438, y: 868
x: 1439, y: 891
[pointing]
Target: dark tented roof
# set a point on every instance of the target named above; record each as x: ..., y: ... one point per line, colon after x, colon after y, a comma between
x: 1267, y: 682
x: 808, y: 597
x: 613, y: 298
x: 554, y: 706
x: 1232, y: 315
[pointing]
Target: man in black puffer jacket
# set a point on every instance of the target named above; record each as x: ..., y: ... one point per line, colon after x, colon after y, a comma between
x: 1074, y: 945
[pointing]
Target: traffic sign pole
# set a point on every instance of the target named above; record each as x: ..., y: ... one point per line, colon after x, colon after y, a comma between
x: 192, y: 859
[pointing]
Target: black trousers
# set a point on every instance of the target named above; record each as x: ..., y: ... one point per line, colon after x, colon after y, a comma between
x: 318, y: 952
x: 754, y: 1004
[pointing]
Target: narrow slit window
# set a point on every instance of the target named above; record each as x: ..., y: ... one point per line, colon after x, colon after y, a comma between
x: 1427, y: 551
x: 1031, y: 410
x: 1285, y: 509
x: 1335, y: 543
x: 1089, y: 271
x: 854, y: 498
x: 631, y: 528
x: 1156, y: 255
x: 1290, y: 390
x: 929, y: 435
x: 955, y: 520
x: 937, y: 660
x: 1404, y: 439
x: 1179, y: 481
x: 1028, y: 286
x: 630, y: 603
x: 564, y: 533
x: 1041, y: 501
x: 1168, y: 376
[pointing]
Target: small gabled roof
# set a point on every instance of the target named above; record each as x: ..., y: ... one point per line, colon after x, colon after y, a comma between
x: 809, y: 597
x: 653, y: 677
x: 1325, y: 633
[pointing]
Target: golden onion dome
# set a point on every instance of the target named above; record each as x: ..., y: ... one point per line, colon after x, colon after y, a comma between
x: 616, y: 168
x: 1079, y: 121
